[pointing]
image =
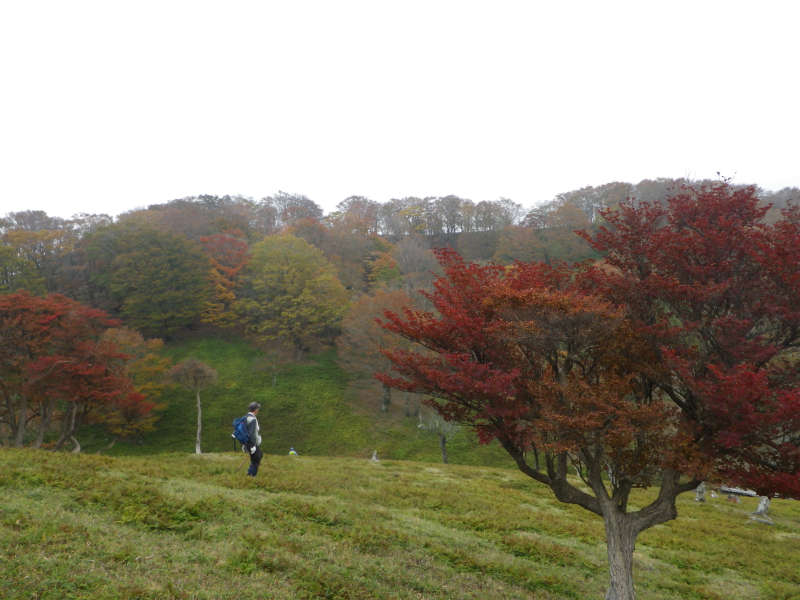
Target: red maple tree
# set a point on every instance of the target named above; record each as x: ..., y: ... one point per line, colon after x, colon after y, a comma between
x: 715, y: 289
x: 668, y: 364
x: 56, y: 369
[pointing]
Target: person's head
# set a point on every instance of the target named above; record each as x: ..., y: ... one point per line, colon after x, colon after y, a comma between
x: 253, y: 408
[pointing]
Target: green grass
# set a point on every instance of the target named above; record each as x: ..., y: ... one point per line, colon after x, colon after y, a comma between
x: 195, y: 527
x: 312, y: 407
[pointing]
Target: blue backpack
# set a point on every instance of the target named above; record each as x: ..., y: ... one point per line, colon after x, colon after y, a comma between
x: 240, y: 433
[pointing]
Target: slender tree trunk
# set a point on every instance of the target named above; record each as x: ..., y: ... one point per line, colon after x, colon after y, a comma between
x: 22, y: 419
x: 386, y: 399
x: 620, y: 541
x: 69, y: 427
x: 443, y: 446
x: 77, y: 448
x: 199, y: 424
x: 44, y: 422
x: 11, y: 433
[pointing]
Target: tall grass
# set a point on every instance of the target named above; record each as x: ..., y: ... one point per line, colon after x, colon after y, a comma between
x: 195, y: 527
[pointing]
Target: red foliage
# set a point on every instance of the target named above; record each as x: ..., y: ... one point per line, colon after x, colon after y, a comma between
x: 690, y: 362
x: 55, y: 366
x: 677, y: 357
x: 715, y: 288
x: 527, y: 358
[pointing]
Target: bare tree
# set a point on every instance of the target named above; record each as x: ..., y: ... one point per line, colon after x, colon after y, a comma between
x: 435, y: 423
x: 195, y: 376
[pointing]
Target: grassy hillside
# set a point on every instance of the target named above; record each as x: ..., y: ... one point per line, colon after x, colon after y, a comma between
x: 311, y: 407
x: 195, y: 527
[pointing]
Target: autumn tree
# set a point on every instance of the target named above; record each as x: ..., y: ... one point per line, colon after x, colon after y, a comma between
x: 671, y: 364
x: 520, y: 243
x: 290, y: 293
x: 715, y: 288
x: 543, y: 368
x: 346, y: 249
x: 57, y: 371
x: 416, y: 263
x: 548, y: 235
x: 195, y: 376
x: 196, y: 216
x: 147, y: 370
x: 227, y: 255
x: 30, y: 259
x: 356, y: 214
x: 31, y: 220
x: 381, y: 269
x: 362, y: 339
x: 289, y: 208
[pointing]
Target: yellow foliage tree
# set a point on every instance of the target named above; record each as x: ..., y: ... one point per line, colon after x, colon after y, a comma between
x: 290, y: 293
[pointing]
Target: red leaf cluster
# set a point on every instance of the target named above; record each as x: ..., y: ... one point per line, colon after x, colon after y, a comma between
x: 56, y: 367
x: 679, y: 352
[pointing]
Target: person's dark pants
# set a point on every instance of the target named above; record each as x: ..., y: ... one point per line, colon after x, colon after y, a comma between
x: 255, y: 460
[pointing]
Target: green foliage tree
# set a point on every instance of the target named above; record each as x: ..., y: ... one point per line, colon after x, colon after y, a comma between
x: 158, y: 282
x: 290, y: 293
x: 18, y: 273
x: 30, y: 259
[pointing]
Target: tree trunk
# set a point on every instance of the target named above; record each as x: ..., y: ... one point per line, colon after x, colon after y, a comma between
x: 77, y: 447
x: 386, y: 399
x: 620, y: 541
x: 443, y: 446
x: 44, y: 422
x: 22, y: 420
x: 199, y: 424
x: 69, y: 426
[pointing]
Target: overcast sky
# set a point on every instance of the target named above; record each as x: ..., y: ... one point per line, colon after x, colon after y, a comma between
x: 108, y: 106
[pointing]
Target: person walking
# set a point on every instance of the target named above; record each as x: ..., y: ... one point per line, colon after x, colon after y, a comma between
x: 253, y: 431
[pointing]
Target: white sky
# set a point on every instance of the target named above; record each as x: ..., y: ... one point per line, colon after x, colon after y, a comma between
x: 108, y: 106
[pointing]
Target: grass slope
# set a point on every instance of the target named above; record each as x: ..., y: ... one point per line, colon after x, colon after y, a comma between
x: 312, y: 407
x: 195, y: 527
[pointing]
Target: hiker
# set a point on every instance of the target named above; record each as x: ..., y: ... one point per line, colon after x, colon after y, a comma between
x: 292, y: 451
x: 255, y: 438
